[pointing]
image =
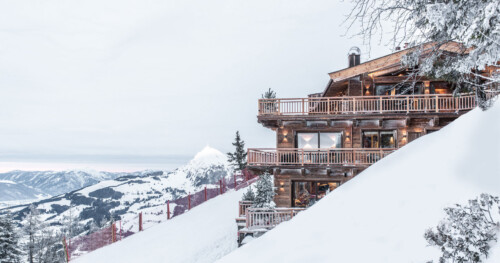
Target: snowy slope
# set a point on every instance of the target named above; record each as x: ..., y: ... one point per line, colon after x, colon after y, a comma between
x: 381, y: 215
x: 124, y: 197
x: 204, y: 234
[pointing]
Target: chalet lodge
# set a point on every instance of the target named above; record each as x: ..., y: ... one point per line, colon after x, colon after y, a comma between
x: 367, y: 111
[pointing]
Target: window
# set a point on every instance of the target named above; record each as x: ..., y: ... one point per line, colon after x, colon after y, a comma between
x: 305, y: 194
x: 314, y: 140
x: 379, y: 139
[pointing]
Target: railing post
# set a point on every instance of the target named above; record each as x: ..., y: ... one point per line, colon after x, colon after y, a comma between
x: 380, y: 104
x: 140, y: 221
x: 407, y: 104
x: 168, y: 209
x: 328, y: 157
x: 279, y: 106
x: 354, y: 105
x: 437, y: 103
x: 302, y: 150
x: 303, y: 106
x: 328, y: 105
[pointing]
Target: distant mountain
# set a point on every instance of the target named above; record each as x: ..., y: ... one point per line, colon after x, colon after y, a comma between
x: 31, y: 185
x: 123, y: 197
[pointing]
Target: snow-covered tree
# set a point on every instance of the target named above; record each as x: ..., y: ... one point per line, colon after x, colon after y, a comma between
x: 465, y: 235
x: 248, y: 195
x: 473, y: 24
x: 264, y: 192
x: 10, y: 251
x: 238, y: 158
x: 32, y: 228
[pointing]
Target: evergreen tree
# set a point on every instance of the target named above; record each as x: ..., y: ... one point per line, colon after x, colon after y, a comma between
x: 265, y: 192
x: 269, y: 94
x: 9, y: 248
x: 32, y: 228
x: 467, y: 232
x: 249, y: 195
x: 239, y: 156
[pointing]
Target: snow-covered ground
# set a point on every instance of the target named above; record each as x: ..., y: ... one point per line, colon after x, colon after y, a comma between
x: 204, y: 234
x: 381, y: 215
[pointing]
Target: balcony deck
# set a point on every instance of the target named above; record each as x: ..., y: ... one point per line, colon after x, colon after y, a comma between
x: 364, y: 105
x: 295, y: 157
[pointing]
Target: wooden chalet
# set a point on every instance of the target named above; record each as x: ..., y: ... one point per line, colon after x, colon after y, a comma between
x: 366, y: 112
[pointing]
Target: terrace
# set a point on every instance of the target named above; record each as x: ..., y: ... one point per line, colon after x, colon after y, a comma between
x: 299, y: 157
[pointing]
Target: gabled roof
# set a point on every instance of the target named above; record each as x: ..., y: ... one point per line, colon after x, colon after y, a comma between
x: 392, y: 61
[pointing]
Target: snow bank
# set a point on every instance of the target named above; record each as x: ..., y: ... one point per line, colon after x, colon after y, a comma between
x: 381, y: 215
x: 204, y: 234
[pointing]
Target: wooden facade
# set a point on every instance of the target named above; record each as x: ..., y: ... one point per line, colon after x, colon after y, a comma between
x: 366, y: 112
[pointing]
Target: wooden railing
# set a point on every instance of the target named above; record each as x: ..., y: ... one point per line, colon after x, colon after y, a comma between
x: 296, y: 156
x: 269, y: 218
x: 367, y: 104
x: 242, y: 207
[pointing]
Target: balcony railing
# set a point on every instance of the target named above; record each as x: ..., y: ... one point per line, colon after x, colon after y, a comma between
x: 302, y: 157
x: 269, y: 218
x: 367, y: 105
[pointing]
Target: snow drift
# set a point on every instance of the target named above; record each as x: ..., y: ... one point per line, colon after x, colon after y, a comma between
x: 381, y: 215
x: 204, y: 234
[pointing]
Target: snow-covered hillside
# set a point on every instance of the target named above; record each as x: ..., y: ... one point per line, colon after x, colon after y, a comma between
x: 204, y: 234
x: 124, y: 197
x: 382, y: 214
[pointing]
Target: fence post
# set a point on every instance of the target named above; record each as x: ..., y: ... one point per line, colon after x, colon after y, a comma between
x: 121, y: 230
x: 113, y: 232
x: 220, y: 186
x: 189, y: 201
x: 66, y: 249
x: 140, y: 221
x: 205, y: 193
x: 168, y: 209
x: 234, y: 177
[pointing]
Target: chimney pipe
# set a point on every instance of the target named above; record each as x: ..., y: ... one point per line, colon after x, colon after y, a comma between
x: 398, y: 48
x: 354, y: 56
x: 406, y: 45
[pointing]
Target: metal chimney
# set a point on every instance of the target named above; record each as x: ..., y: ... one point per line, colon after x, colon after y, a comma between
x: 354, y: 56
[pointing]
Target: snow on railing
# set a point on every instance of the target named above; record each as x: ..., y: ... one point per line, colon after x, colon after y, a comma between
x: 269, y: 217
x: 127, y: 226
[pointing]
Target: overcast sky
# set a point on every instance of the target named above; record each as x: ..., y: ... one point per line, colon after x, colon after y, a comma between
x: 128, y: 85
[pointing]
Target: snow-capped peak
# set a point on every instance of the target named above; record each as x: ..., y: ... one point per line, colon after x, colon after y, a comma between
x: 209, y: 156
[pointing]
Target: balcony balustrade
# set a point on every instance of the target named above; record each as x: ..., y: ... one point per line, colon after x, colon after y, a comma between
x: 435, y: 103
x: 302, y: 157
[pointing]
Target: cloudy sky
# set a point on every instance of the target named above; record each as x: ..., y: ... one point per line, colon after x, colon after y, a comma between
x: 127, y: 85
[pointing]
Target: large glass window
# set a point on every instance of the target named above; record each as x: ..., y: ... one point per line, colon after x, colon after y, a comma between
x: 314, y: 140
x: 379, y: 139
x: 330, y: 140
x: 307, y: 140
x: 307, y: 193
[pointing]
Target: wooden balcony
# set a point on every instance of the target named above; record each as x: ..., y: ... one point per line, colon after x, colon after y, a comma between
x: 267, y: 157
x: 269, y: 218
x: 366, y: 105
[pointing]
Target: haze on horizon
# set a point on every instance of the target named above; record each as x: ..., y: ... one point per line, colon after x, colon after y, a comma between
x: 150, y: 83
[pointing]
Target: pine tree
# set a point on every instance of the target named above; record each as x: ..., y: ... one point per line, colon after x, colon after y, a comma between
x: 32, y: 228
x: 269, y: 94
x: 467, y: 232
x: 238, y: 158
x: 265, y: 192
x: 9, y: 247
x: 249, y: 195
